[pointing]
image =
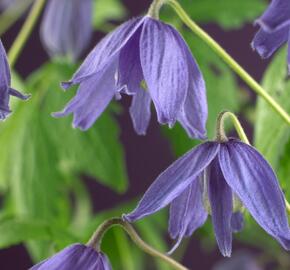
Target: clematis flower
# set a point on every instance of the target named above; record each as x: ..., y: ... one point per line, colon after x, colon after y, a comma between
x: 275, y: 29
x: 75, y: 257
x: 149, y: 60
x: 5, y: 85
x: 214, y: 178
x: 66, y: 28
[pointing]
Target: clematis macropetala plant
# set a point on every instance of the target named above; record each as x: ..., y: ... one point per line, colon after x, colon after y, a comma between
x: 275, y: 29
x: 217, y: 178
x: 150, y: 61
x: 75, y: 257
x: 66, y: 28
x: 5, y: 85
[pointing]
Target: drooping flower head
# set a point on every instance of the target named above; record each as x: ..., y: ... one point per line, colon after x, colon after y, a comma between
x: 75, y: 257
x: 216, y: 178
x: 5, y: 85
x: 149, y: 60
x: 66, y: 28
x: 275, y: 29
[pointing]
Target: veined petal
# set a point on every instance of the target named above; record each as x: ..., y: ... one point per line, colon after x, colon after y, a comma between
x: 221, y: 202
x: 5, y: 78
x: 253, y: 180
x: 237, y: 222
x: 93, y: 96
x: 164, y: 68
x: 103, y: 263
x: 130, y: 70
x: 267, y: 43
x: 174, y: 180
x: 66, y: 28
x: 140, y: 111
x: 276, y: 16
x: 105, y: 50
x: 186, y: 213
x: 193, y: 115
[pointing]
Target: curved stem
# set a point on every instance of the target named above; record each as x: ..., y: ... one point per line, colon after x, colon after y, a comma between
x: 228, y: 59
x: 220, y: 132
x: 25, y: 31
x: 96, y: 240
x: 155, y: 8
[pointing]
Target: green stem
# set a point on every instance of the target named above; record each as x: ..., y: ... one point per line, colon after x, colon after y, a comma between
x: 228, y: 59
x: 155, y: 8
x: 96, y: 240
x: 220, y: 132
x: 25, y: 31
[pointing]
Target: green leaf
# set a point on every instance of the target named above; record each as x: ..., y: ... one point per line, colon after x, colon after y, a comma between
x: 227, y: 13
x: 105, y: 10
x: 271, y: 132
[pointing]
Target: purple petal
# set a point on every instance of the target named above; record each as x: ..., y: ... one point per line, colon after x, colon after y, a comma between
x: 255, y: 183
x: 130, y: 70
x: 5, y: 78
x: 267, y: 43
x: 186, y: 213
x: 174, y: 180
x: 165, y: 69
x: 66, y: 28
x: 76, y: 256
x: 237, y: 222
x: 221, y: 202
x: 140, y: 111
x: 92, y: 98
x: 105, y: 50
x: 276, y: 16
x: 193, y: 115
x: 15, y: 93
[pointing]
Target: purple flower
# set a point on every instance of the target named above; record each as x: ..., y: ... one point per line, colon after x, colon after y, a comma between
x: 149, y: 60
x: 75, y: 257
x: 275, y: 28
x: 66, y: 28
x: 5, y: 85
x: 218, y: 178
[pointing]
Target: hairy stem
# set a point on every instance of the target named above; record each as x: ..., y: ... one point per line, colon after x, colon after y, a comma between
x: 155, y: 8
x: 96, y: 240
x: 220, y: 130
x: 228, y: 59
x: 25, y: 31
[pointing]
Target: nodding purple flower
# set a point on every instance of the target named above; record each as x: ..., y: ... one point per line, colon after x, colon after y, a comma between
x: 149, y: 60
x: 275, y: 29
x: 218, y: 179
x: 5, y: 85
x: 75, y: 257
x: 66, y: 28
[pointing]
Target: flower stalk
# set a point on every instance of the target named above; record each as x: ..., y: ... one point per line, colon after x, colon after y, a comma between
x: 155, y: 8
x: 228, y: 59
x: 96, y: 240
x: 25, y: 31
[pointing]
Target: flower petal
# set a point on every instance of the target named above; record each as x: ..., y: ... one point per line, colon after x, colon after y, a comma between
x: 186, y: 213
x: 174, y: 180
x: 140, y: 111
x: 221, y: 202
x: 253, y: 180
x: 164, y: 68
x: 130, y: 70
x: 93, y: 96
x: 193, y: 115
x: 237, y: 222
x: 105, y: 50
x: 267, y: 43
x: 276, y: 16
x: 74, y: 18
x: 5, y: 78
